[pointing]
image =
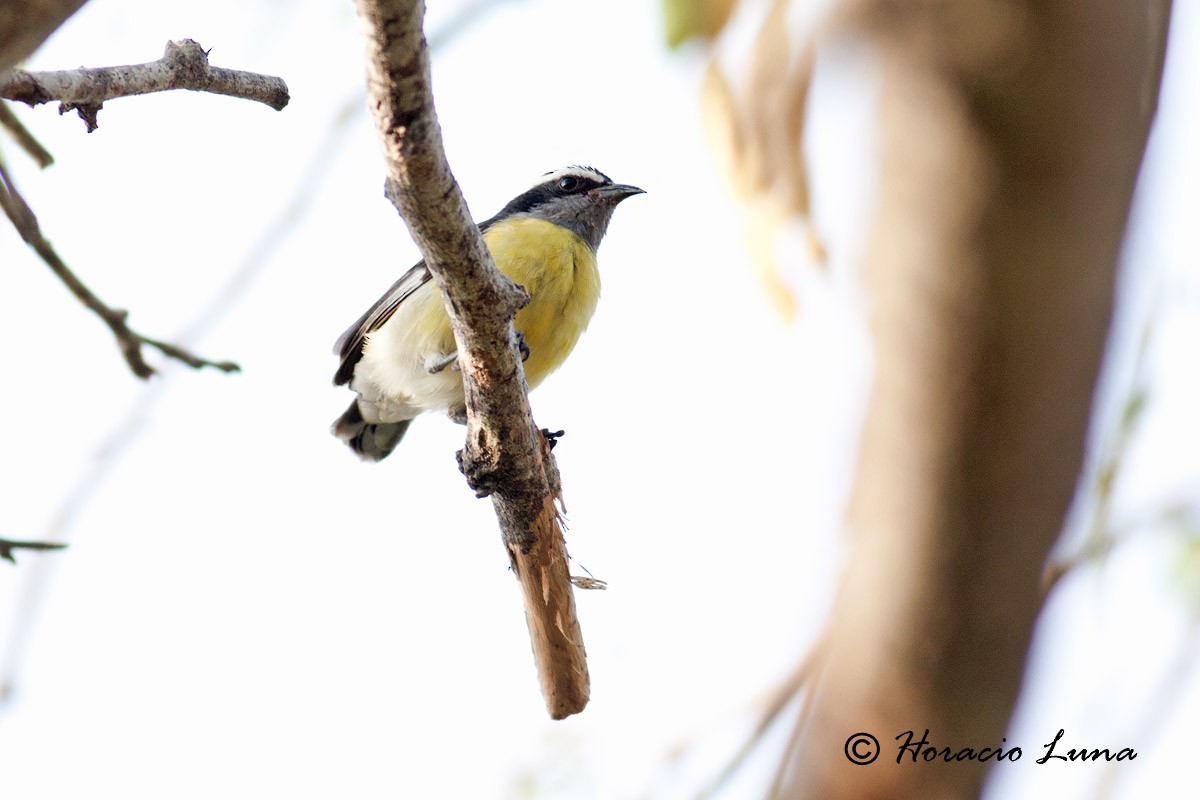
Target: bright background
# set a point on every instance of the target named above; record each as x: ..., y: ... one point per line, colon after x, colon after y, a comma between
x: 245, y: 610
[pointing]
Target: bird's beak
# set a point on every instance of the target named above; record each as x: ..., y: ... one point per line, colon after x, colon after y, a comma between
x: 617, y: 192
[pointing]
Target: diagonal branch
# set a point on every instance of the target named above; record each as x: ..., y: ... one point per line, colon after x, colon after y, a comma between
x: 21, y: 135
x: 130, y: 342
x: 802, y: 676
x: 117, y: 443
x: 184, y: 65
x: 504, y: 455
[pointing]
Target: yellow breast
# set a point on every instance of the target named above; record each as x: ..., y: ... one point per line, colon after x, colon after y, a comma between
x: 559, y: 272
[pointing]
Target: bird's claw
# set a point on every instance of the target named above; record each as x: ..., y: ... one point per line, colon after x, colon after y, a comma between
x: 435, y: 364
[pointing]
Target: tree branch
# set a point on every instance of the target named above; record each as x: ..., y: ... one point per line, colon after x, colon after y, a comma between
x: 184, y: 65
x: 22, y: 136
x: 119, y: 439
x: 791, y: 687
x: 130, y: 342
x: 504, y: 456
x: 8, y: 545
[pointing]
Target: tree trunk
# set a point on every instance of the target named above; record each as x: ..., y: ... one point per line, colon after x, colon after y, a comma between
x: 1012, y: 136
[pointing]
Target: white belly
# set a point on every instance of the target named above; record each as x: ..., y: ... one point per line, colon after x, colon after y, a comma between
x: 392, y: 379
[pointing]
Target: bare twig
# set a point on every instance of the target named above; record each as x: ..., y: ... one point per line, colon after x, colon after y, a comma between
x: 184, y: 65
x: 22, y: 136
x: 121, y: 437
x: 781, y: 697
x: 1163, y: 702
x: 129, y: 341
x: 8, y: 545
x: 464, y: 17
x: 1102, y: 535
x: 504, y: 455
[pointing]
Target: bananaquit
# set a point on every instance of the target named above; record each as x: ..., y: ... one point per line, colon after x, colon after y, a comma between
x: 396, y: 356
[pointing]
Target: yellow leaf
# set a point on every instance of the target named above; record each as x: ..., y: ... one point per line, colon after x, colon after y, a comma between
x: 692, y: 19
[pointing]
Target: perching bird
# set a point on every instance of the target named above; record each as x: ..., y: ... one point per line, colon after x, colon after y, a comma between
x: 398, y: 356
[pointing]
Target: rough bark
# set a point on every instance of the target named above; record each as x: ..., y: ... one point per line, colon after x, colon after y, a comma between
x: 505, y: 456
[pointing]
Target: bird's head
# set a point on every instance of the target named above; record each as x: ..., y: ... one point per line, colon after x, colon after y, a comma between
x: 580, y: 199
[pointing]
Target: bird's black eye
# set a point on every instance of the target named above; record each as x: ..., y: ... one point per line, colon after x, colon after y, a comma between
x: 568, y: 183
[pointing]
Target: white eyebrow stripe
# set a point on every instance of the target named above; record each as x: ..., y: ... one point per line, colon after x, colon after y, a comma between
x: 579, y: 172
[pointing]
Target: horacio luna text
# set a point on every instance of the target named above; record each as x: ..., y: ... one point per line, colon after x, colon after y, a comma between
x: 1055, y: 751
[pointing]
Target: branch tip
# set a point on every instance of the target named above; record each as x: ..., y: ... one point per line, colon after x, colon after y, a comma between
x: 7, y: 546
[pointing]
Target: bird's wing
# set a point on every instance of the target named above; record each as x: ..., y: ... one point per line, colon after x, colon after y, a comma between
x: 349, y: 346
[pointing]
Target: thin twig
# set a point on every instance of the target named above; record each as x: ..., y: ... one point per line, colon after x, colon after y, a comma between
x: 122, y: 436
x: 1164, y: 701
x: 464, y: 17
x: 22, y: 136
x: 184, y: 65
x: 129, y: 341
x: 8, y: 545
x: 505, y: 456
x: 814, y: 664
x: 1102, y: 536
x: 783, y: 694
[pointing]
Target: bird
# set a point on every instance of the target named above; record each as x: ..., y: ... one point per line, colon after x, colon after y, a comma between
x: 399, y: 357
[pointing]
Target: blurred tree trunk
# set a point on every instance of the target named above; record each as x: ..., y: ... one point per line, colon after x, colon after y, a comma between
x: 1012, y: 136
x: 25, y: 24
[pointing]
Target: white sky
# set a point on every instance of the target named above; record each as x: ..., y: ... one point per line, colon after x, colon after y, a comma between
x: 246, y: 610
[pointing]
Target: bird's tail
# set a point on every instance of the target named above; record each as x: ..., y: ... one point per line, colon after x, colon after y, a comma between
x: 372, y: 441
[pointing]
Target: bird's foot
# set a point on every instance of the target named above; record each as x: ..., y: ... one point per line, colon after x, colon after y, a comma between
x: 522, y: 346
x: 483, y: 476
x: 436, y: 363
